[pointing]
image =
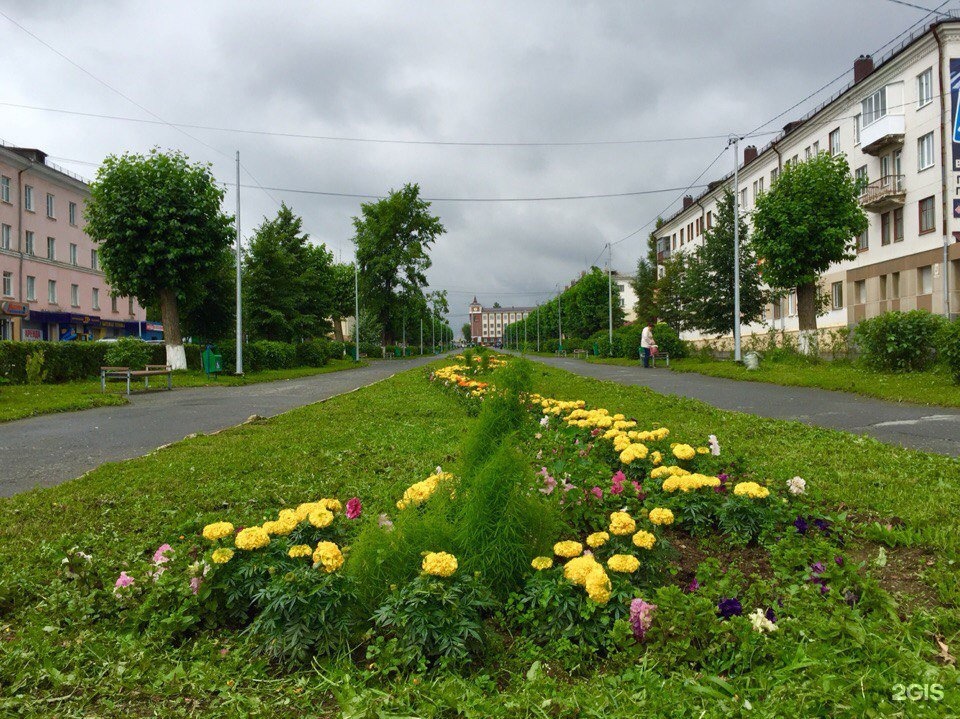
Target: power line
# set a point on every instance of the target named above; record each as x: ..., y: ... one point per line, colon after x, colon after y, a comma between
x: 916, y: 7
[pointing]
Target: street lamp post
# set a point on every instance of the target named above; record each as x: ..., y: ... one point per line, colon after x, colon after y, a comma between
x: 239, y: 352
x: 610, y: 291
x: 356, y: 310
x: 735, y: 141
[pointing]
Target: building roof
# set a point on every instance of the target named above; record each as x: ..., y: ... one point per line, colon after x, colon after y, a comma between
x: 39, y: 157
x: 793, y: 127
x: 505, y: 309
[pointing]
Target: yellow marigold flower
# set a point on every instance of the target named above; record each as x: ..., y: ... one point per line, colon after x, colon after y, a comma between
x: 300, y: 550
x: 328, y: 555
x: 217, y: 530
x: 541, y: 563
x: 321, y: 518
x: 656, y: 458
x: 752, y: 490
x: 644, y: 539
x: 222, y: 555
x: 568, y: 549
x: 251, y: 538
x: 332, y: 504
x: 270, y: 527
x: 659, y: 515
x: 577, y: 569
x: 633, y: 451
x: 303, y: 510
x: 689, y: 482
x: 625, y: 563
x: 439, y: 564
x: 597, y: 539
x: 667, y: 470
x: 598, y: 585
x: 684, y: 452
x: 286, y: 522
x: 703, y: 450
x: 622, y: 523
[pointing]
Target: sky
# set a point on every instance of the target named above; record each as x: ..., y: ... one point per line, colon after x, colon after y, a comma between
x: 630, y: 78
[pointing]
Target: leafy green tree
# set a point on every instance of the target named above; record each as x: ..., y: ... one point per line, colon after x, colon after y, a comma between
x: 708, y: 280
x: 161, y: 232
x: 670, y: 299
x: 808, y: 221
x: 644, y: 280
x: 341, y: 297
x: 210, y: 312
x: 393, y: 238
x: 467, y: 332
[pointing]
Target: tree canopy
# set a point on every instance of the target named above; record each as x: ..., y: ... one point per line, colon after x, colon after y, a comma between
x: 161, y: 232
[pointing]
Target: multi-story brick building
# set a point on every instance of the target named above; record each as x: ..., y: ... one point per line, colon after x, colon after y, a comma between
x: 899, y: 127
x: 487, y: 323
x: 52, y: 285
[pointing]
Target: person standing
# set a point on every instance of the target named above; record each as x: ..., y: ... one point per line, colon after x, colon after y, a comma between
x: 647, y: 343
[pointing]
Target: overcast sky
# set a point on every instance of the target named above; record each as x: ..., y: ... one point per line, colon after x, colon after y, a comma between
x: 449, y: 71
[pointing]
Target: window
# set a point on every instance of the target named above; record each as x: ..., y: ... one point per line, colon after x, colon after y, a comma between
x: 113, y: 305
x: 885, y: 228
x: 883, y: 287
x: 898, y: 225
x: 96, y: 298
x: 895, y: 285
x: 857, y: 121
x: 925, y: 87
x: 860, y: 292
x: 777, y: 309
x: 792, y: 303
x: 756, y: 190
x: 795, y: 159
x: 709, y: 219
x: 743, y: 198
x: 94, y: 260
x: 835, y: 142
x: 761, y: 185
x: 31, y: 288
x: 860, y: 174
x: 74, y: 295
x: 774, y: 173
x: 51, y: 248
x: 4, y: 188
x: 863, y: 241
x: 72, y: 213
x: 807, y: 152
x: 927, y: 215
x: 29, y: 241
x: 836, y: 294
x: 681, y: 236
x: 8, y: 284
x: 50, y: 207
x: 5, y: 237
x: 28, y: 198
x: 73, y: 254
x: 52, y: 292
x: 874, y: 107
x: 816, y: 148
x: 924, y: 280
x: 925, y: 151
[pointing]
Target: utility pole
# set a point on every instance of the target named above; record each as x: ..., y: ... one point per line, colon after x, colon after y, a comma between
x: 735, y: 141
x: 560, y: 317
x: 421, y: 336
x: 239, y: 355
x: 525, y: 332
x: 356, y: 307
x: 610, y: 291
x: 404, y: 332
x: 538, y: 328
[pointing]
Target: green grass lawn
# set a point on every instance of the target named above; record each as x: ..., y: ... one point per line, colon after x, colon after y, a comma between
x: 57, y: 659
x: 19, y: 401
x: 932, y: 388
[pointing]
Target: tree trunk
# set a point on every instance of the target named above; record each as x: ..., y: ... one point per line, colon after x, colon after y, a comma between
x: 337, y: 328
x: 169, y: 315
x: 807, y: 301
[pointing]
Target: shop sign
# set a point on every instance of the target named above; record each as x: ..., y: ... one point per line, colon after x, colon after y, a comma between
x: 15, y: 309
x: 32, y: 335
x: 153, y: 327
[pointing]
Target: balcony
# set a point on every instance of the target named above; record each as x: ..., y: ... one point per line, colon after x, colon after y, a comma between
x: 882, y: 135
x: 663, y: 255
x: 885, y: 194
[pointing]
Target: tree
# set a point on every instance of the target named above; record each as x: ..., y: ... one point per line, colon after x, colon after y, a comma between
x: 669, y: 298
x: 644, y: 280
x: 708, y: 280
x: 393, y: 238
x: 467, y: 332
x: 341, y: 297
x: 209, y: 313
x: 808, y: 221
x: 161, y: 232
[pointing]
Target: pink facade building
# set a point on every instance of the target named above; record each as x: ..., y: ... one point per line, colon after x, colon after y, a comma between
x: 53, y: 288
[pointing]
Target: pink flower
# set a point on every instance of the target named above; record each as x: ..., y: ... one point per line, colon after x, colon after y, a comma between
x: 195, y: 584
x: 384, y: 521
x: 619, y: 477
x: 637, y: 487
x: 597, y: 492
x: 616, y: 488
x: 549, y: 484
x: 641, y: 618
x: 538, y: 436
x: 159, y: 557
x: 567, y: 486
x: 354, y: 508
x: 123, y: 581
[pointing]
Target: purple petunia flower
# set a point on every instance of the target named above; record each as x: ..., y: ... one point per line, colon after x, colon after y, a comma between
x: 817, y: 568
x: 160, y: 556
x: 770, y: 615
x: 839, y: 560
x: 641, y: 618
x: 597, y: 492
x: 354, y: 508
x: 693, y: 586
x: 801, y: 524
x: 851, y: 597
x: 729, y: 607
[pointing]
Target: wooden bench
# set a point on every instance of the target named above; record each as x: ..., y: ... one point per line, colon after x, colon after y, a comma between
x: 125, y: 373
x: 561, y: 353
x: 580, y: 354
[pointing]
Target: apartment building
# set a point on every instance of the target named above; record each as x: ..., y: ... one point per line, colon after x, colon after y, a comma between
x: 487, y: 323
x: 898, y: 125
x: 628, y: 298
x: 52, y: 284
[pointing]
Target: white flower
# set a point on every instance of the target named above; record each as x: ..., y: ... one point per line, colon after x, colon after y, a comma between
x: 797, y: 485
x: 760, y: 622
x: 545, y: 421
x: 438, y: 470
x: 384, y: 521
x: 714, y: 445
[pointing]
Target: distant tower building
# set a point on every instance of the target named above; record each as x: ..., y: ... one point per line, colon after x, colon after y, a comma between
x: 487, y: 323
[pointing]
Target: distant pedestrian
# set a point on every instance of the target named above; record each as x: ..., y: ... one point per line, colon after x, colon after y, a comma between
x: 647, y: 344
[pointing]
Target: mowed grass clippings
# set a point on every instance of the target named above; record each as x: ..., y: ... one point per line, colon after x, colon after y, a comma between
x: 56, y: 660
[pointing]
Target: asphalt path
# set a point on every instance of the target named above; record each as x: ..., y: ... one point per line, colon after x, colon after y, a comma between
x: 931, y: 429
x: 50, y: 449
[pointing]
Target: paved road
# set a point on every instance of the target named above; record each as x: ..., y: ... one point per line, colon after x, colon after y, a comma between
x: 932, y: 429
x: 47, y: 450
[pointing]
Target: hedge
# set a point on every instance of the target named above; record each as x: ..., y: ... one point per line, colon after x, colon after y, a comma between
x: 899, y: 341
x: 948, y: 347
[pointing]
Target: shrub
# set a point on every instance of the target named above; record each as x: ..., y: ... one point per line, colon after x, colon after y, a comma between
x: 899, y: 341
x: 128, y: 352
x: 36, y: 374
x: 313, y: 353
x: 63, y: 361
x: 948, y: 348
x: 669, y: 341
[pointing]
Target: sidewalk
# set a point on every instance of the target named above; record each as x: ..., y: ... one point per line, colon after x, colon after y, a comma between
x: 931, y: 429
x: 50, y: 449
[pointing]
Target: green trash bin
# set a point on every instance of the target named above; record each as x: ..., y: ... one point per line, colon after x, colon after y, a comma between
x: 596, y: 350
x: 212, y: 362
